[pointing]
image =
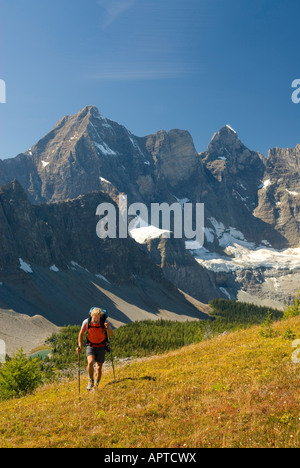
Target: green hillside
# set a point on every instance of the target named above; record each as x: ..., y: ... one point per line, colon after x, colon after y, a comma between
x: 240, y: 389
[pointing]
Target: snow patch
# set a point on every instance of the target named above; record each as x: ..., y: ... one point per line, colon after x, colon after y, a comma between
x: 266, y: 183
x: 244, y: 258
x: 105, y: 149
x: 102, y: 278
x: 229, y: 236
x: 192, y: 245
x: 104, y: 180
x: 294, y: 194
x: 54, y: 268
x: 76, y: 265
x: 230, y: 128
x: 141, y: 231
x: 224, y: 291
x: 45, y: 163
x: 74, y: 137
x: 134, y: 143
x: 209, y: 235
x: 25, y: 266
x: 218, y: 226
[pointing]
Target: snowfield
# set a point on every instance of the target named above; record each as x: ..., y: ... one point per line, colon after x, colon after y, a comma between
x: 141, y: 231
x: 240, y: 258
x: 239, y: 254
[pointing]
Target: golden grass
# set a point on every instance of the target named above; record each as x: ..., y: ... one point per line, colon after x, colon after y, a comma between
x: 237, y: 390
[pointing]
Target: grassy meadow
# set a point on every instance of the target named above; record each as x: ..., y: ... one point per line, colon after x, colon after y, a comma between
x: 239, y: 389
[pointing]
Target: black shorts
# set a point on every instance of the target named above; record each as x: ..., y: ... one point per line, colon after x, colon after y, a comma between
x: 98, y: 353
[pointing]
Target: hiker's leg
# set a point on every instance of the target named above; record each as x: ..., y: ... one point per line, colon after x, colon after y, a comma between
x: 98, y: 373
x: 100, y: 358
x: 90, y: 355
x: 90, y: 366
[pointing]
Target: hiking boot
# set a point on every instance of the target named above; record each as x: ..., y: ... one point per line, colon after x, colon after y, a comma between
x: 96, y: 385
x: 90, y: 384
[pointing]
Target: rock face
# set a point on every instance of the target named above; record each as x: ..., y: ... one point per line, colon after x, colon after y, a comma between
x: 86, y: 152
x: 59, y: 233
x: 251, y: 203
x: 235, y: 166
x: 181, y: 268
x: 234, y: 175
x: 70, y: 160
x: 174, y: 156
x: 46, y: 248
x: 279, y: 194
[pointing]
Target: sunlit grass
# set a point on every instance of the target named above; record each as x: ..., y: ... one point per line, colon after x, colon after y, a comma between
x: 237, y: 390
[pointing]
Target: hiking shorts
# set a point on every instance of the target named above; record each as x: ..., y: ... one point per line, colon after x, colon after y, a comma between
x: 98, y: 353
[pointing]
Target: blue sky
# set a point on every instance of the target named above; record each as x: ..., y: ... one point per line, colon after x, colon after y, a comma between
x: 150, y: 65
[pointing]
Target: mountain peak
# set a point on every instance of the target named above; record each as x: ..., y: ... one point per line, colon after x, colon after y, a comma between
x: 229, y: 128
x: 228, y: 159
x: 89, y: 110
x: 83, y: 115
x: 224, y: 137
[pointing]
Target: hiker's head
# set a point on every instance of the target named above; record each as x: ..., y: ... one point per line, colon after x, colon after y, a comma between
x: 97, y: 315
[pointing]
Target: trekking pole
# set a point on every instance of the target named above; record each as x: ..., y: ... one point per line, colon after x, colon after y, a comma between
x: 79, y: 372
x: 112, y: 357
x: 112, y: 362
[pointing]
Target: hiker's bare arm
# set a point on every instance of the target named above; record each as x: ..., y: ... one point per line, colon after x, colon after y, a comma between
x: 80, y: 340
x: 109, y: 330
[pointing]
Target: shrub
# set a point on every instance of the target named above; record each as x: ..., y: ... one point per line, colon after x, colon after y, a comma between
x: 293, y: 309
x: 267, y: 330
x: 19, y: 376
x: 289, y: 334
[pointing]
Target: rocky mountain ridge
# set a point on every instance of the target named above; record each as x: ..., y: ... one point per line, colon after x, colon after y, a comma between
x: 251, y: 203
x: 53, y: 264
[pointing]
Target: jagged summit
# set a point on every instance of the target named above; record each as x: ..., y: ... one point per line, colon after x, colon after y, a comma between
x: 226, y: 155
x: 249, y: 200
x: 85, y: 111
x: 225, y: 141
x: 230, y: 128
x: 85, y: 150
x: 225, y: 130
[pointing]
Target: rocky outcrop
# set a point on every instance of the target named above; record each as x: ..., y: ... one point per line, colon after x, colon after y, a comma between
x: 181, y: 268
x: 174, y: 156
x: 235, y: 166
x: 52, y: 263
x: 279, y: 193
x: 87, y: 152
x: 70, y: 159
x: 60, y: 233
x: 233, y: 177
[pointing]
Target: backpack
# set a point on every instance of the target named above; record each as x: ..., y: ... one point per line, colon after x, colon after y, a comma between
x: 102, y: 321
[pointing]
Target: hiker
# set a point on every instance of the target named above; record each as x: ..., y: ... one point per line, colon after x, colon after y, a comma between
x: 98, y: 329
